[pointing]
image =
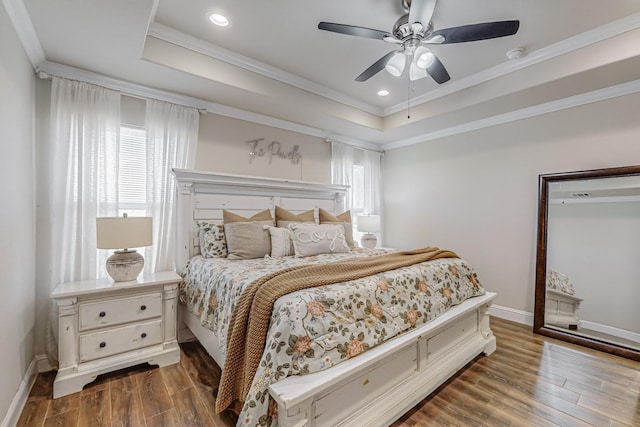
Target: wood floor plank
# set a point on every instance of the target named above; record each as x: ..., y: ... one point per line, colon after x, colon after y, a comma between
x: 126, y: 405
x: 175, y: 378
x: 43, y: 385
x: 201, y: 367
x: 190, y: 409
x: 34, y: 412
x: 463, y: 399
x: 524, y: 398
x: 95, y: 409
x: 618, y: 409
x: 165, y: 419
x: 64, y: 404
x: 65, y: 419
x: 153, y: 393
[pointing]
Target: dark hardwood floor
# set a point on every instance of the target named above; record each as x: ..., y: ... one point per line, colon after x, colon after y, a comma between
x: 530, y: 380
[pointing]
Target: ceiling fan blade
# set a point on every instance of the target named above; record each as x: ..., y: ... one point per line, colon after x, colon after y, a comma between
x: 421, y: 11
x: 438, y: 72
x: 375, y: 68
x: 353, y: 30
x: 473, y: 32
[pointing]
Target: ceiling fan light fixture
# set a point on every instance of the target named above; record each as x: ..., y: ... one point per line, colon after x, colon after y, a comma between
x: 395, y: 65
x: 423, y: 57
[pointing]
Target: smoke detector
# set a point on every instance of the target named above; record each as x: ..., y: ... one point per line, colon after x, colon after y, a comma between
x: 516, y: 53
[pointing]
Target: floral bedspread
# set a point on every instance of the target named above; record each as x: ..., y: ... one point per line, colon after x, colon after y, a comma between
x: 314, y: 329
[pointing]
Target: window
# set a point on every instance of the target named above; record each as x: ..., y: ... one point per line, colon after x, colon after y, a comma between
x: 132, y: 172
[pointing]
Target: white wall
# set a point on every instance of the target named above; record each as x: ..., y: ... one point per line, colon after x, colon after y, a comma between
x: 222, y: 147
x: 17, y: 218
x: 476, y: 193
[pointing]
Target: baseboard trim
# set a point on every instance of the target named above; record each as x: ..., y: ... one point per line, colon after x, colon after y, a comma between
x: 42, y: 363
x: 20, y: 399
x: 611, y: 330
x: 526, y: 318
x: 507, y: 313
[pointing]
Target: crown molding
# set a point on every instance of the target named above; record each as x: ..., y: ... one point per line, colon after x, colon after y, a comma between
x: 186, y: 41
x: 47, y: 69
x: 524, y: 113
x: 19, y: 16
x: 615, y: 28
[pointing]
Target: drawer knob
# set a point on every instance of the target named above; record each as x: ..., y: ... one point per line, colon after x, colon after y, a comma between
x: 143, y: 307
x: 103, y: 344
x: 102, y: 314
x: 143, y: 335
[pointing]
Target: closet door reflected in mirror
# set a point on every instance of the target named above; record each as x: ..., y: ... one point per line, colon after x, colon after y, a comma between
x: 588, y: 260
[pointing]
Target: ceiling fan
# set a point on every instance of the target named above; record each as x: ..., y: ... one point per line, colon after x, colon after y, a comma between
x: 413, y: 32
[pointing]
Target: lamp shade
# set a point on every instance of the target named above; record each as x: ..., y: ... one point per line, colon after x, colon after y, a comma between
x: 368, y: 223
x: 123, y: 232
x: 395, y: 65
x: 424, y: 58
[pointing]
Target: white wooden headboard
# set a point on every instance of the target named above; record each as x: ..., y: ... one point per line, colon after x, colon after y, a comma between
x: 203, y: 196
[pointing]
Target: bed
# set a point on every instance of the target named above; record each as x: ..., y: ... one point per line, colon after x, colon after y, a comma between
x: 351, y: 378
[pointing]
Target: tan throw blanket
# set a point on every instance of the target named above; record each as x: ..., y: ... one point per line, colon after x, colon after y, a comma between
x: 251, y: 316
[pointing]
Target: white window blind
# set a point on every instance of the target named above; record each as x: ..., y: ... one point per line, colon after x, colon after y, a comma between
x: 132, y: 172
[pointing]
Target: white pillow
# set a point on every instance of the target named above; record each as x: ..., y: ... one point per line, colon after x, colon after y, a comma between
x: 281, y: 244
x: 311, y: 239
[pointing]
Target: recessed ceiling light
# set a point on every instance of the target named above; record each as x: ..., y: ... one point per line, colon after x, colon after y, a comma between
x: 219, y: 20
x: 383, y: 92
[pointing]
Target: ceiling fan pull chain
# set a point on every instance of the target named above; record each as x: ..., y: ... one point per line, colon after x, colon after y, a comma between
x: 408, y: 99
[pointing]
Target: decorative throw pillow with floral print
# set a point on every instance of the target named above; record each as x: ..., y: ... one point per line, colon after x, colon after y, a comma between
x: 212, y: 241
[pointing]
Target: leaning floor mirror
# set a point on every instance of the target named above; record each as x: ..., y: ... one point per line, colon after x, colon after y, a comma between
x: 588, y: 259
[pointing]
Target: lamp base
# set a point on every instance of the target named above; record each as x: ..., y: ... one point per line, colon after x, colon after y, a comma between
x: 368, y: 241
x: 124, y: 266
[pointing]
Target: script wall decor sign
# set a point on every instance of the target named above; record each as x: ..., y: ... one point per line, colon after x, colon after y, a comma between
x: 259, y: 148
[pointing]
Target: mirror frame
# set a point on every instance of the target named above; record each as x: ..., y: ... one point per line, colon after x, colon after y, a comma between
x: 541, y: 260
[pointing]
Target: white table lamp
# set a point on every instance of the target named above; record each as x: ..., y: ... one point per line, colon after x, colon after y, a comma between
x: 369, y: 224
x: 124, y: 233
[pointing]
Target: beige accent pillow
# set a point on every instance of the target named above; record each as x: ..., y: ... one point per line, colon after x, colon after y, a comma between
x: 281, y: 243
x: 312, y: 239
x: 344, y: 219
x: 247, y: 240
x: 284, y: 217
x: 228, y: 217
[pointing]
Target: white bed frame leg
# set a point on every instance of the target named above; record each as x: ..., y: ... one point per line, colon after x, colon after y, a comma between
x: 485, y: 329
x: 301, y: 417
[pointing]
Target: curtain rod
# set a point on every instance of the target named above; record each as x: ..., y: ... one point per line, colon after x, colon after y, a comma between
x: 329, y: 141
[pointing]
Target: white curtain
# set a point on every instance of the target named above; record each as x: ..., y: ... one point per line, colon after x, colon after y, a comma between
x: 172, y: 136
x: 343, y: 159
x: 84, y: 130
x: 342, y: 169
x: 85, y: 127
x: 372, y: 182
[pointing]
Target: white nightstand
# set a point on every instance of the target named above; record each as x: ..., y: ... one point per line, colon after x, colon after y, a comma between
x: 104, y: 326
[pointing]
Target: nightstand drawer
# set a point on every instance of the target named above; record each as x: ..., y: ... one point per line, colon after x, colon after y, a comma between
x: 122, y: 310
x: 118, y: 340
